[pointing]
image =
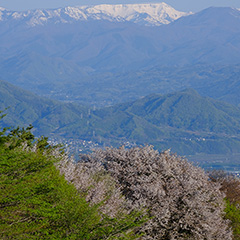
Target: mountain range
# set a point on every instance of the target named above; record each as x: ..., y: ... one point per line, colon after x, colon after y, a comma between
x: 150, y: 14
x: 183, y: 121
x: 107, y: 60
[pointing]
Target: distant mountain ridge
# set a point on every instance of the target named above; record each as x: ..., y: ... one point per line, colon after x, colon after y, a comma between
x: 150, y: 14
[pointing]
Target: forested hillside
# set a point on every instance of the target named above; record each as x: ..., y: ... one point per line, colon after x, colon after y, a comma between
x: 184, y: 121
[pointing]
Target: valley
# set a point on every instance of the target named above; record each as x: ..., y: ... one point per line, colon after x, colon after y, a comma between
x: 183, y: 121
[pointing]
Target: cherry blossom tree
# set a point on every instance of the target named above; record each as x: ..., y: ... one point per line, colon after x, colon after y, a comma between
x: 179, y: 198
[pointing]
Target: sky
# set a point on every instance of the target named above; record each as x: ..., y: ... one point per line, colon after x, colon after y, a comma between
x: 181, y: 5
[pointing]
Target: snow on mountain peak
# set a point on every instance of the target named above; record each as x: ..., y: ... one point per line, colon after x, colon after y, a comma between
x: 151, y: 14
x: 2, y: 10
x: 155, y: 13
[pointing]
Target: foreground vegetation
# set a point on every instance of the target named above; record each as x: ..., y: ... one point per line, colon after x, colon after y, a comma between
x: 230, y: 185
x: 120, y: 193
x: 36, y: 202
x: 182, y: 203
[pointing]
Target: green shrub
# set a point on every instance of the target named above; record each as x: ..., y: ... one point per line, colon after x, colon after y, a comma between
x: 36, y: 202
x: 230, y: 185
x: 233, y: 214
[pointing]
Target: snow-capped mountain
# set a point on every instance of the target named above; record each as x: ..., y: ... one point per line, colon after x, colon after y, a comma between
x: 65, y: 58
x: 152, y: 14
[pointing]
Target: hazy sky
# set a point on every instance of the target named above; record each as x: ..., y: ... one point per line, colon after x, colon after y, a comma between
x: 182, y: 5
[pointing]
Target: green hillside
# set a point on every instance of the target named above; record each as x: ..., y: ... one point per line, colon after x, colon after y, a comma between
x: 187, y: 110
x: 183, y: 121
x: 47, y: 116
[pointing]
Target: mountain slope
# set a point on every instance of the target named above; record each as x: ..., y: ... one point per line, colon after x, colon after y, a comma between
x: 45, y: 115
x: 185, y: 110
x: 183, y: 121
x: 208, y: 36
x: 188, y: 110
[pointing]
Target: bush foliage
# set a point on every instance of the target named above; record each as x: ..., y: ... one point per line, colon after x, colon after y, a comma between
x: 230, y: 185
